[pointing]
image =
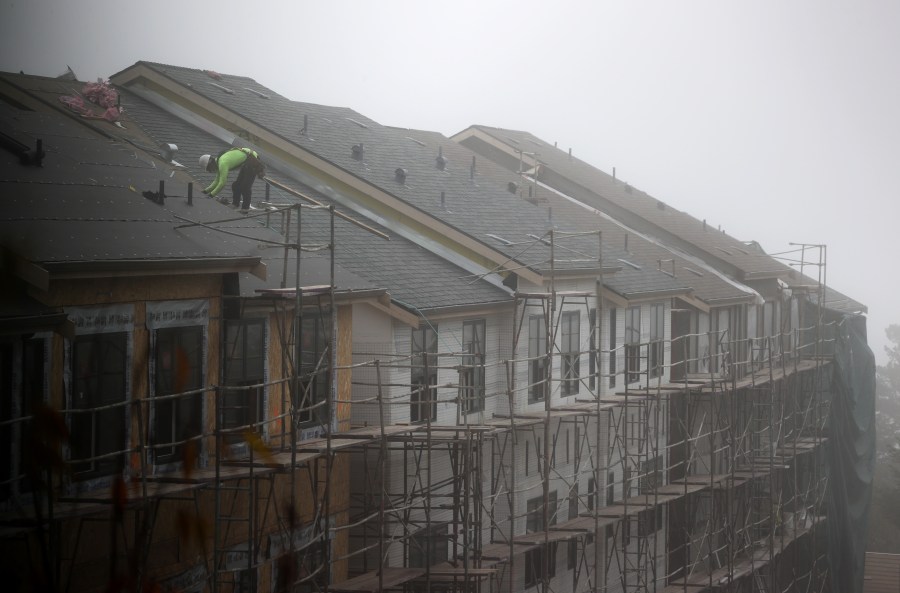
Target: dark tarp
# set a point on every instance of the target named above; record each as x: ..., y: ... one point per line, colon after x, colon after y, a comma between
x: 851, y: 453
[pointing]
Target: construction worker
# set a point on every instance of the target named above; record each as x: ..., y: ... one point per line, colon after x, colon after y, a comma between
x: 234, y: 158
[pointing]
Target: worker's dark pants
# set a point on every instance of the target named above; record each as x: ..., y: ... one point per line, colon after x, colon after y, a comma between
x: 242, y: 186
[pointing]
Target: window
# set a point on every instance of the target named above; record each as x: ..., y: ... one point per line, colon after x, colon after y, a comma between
x: 573, y: 502
x: 650, y: 475
x: 537, y: 355
x: 657, y: 345
x: 99, y: 367
x: 534, y: 559
x: 594, y: 348
x: 570, y: 350
x: 423, y: 399
x: 428, y: 547
x: 178, y: 368
x: 471, y: 375
x: 315, y: 367
x: 650, y: 521
x: 22, y: 386
x: 720, y: 323
x: 632, y: 344
x: 244, y: 362
x: 612, y: 347
x: 573, y: 514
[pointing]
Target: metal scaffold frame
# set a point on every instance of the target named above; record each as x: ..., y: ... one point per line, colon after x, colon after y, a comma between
x: 710, y: 483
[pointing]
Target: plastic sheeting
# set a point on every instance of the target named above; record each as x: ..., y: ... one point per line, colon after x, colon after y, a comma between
x: 851, y: 454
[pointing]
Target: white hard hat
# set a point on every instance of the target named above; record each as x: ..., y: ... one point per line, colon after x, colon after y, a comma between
x: 204, y: 161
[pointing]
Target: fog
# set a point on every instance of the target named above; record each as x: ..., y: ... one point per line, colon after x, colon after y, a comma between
x: 777, y: 121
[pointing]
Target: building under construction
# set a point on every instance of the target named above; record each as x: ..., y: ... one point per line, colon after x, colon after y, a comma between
x: 418, y: 364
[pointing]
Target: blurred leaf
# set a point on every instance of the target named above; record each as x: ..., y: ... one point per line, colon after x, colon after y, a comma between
x: 287, y: 573
x: 182, y: 369
x: 119, y: 496
x: 258, y: 446
x: 189, y: 457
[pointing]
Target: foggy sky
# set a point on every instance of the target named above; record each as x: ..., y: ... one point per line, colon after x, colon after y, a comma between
x: 777, y: 121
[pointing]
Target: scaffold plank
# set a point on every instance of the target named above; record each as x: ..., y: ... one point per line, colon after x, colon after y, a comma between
x: 389, y: 578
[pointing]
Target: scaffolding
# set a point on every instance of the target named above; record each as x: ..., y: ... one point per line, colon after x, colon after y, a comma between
x: 711, y: 482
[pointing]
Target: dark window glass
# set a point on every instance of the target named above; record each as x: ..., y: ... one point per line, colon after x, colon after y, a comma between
x: 99, y: 365
x: 632, y: 344
x: 657, y: 345
x: 570, y: 351
x: 178, y: 369
x: 534, y: 559
x: 537, y: 354
x: 471, y: 375
x: 612, y: 347
x: 242, y: 407
x: 423, y: 399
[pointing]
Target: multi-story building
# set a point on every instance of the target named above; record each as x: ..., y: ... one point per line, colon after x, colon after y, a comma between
x: 544, y: 379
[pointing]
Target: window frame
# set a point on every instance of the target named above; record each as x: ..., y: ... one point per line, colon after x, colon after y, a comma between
x: 538, y: 389
x: 570, y: 352
x: 423, y: 373
x: 23, y: 388
x: 113, y: 420
x: 471, y: 374
x: 239, y: 371
x: 534, y: 523
x: 632, y: 344
x: 165, y: 384
x: 656, y: 361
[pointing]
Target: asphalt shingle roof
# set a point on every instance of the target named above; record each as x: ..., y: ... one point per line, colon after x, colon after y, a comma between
x: 652, y: 210
x: 85, y: 203
x: 475, y: 202
x: 410, y: 273
x: 471, y: 206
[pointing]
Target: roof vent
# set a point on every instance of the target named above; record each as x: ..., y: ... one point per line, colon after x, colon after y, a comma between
x: 357, y: 151
x: 304, y: 131
x: 472, y: 169
x: 222, y: 88
x: 168, y: 151
x: 400, y: 174
x: 357, y: 122
x: 257, y: 93
x: 440, y: 161
x: 512, y: 187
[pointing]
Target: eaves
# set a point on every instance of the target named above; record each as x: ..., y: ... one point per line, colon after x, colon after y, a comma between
x: 376, y: 298
x: 42, y: 274
x: 464, y: 311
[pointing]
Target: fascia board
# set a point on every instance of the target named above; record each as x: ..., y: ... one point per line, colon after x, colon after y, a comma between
x: 694, y: 302
x: 467, y: 311
x: 150, y: 267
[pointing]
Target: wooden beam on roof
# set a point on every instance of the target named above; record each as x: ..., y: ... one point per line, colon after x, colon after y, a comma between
x: 33, y: 274
x: 394, y: 311
x: 614, y: 297
x: 694, y: 302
